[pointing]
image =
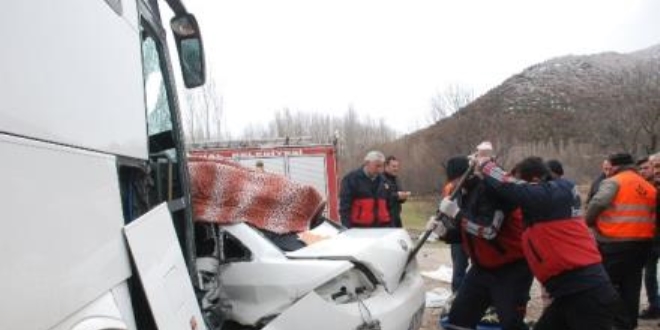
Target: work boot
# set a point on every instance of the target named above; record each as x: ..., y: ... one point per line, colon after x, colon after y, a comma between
x: 650, y: 313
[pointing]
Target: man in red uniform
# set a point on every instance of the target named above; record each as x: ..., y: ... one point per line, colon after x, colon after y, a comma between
x: 363, y: 197
x: 558, y: 247
x: 454, y: 168
x: 490, y: 230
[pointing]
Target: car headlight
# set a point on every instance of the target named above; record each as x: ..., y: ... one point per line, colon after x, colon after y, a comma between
x: 350, y: 286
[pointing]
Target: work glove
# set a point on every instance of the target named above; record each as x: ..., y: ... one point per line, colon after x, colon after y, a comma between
x: 436, y: 226
x: 483, y: 155
x: 449, y: 207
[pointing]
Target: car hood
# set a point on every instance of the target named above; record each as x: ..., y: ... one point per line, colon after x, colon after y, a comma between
x: 383, y: 251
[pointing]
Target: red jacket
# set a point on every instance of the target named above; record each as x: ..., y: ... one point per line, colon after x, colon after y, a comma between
x: 491, y: 228
x: 553, y: 247
x: 504, y: 248
x: 363, y: 201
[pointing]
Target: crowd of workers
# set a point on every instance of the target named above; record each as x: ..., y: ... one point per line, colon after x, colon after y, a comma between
x: 529, y: 222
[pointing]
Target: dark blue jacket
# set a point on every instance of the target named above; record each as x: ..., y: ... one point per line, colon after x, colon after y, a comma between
x: 577, y: 201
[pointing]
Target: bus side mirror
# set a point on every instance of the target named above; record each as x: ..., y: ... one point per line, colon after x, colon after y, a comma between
x: 191, y: 51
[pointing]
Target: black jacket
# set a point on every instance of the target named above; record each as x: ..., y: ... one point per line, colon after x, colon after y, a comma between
x: 594, y: 186
x: 392, y: 188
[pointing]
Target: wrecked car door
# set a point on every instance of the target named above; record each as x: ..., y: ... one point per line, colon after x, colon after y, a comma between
x: 162, y: 271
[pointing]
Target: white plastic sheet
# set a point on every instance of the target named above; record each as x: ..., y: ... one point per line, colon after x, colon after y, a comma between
x: 437, y: 297
x: 443, y: 274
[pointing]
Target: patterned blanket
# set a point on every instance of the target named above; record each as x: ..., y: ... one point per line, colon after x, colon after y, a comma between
x: 225, y: 192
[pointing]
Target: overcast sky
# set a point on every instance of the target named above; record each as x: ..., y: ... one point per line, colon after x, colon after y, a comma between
x: 388, y: 58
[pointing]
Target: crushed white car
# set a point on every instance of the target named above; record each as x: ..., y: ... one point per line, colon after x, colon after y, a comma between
x: 351, y: 279
x: 261, y: 266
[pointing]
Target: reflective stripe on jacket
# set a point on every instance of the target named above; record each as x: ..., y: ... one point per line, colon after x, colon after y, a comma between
x: 504, y: 248
x: 631, y: 215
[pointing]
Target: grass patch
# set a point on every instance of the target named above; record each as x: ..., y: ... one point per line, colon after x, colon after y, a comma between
x: 416, y: 212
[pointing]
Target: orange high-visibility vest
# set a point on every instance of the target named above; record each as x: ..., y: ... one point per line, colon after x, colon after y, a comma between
x: 631, y: 215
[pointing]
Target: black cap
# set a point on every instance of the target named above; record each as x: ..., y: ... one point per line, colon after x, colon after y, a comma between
x: 555, y: 167
x: 532, y: 168
x: 456, y: 166
x: 620, y: 159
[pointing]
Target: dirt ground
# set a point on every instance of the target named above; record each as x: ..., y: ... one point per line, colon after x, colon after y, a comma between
x: 433, y: 255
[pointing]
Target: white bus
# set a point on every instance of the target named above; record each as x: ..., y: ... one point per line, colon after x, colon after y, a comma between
x: 93, y: 166
x: 95, y: 197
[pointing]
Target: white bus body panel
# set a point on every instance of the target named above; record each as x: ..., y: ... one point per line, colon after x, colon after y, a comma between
x: 72, y: 74
x: 113, y: 310
x: 61, y: 242
x: 162, y: 270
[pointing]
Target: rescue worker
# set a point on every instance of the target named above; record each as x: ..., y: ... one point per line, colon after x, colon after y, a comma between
x: 490, y: 231
x: 363, y: 198
x: 558, y: 247
x: 454, y: 168
x: 396, y: 196
x: 623, y: 214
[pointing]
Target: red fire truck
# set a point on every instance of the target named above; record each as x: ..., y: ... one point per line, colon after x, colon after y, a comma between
x: 311, y: 164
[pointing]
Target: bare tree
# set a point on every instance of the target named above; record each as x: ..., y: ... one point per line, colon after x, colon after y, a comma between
x: 203, y: 118
x: 254, y: 132
x: 450, y: 100
x: 355, y: 134
x: 644, y: 106
x: 628, y: 118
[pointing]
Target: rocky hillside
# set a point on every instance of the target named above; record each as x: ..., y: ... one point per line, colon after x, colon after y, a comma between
x: 573, y: 108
